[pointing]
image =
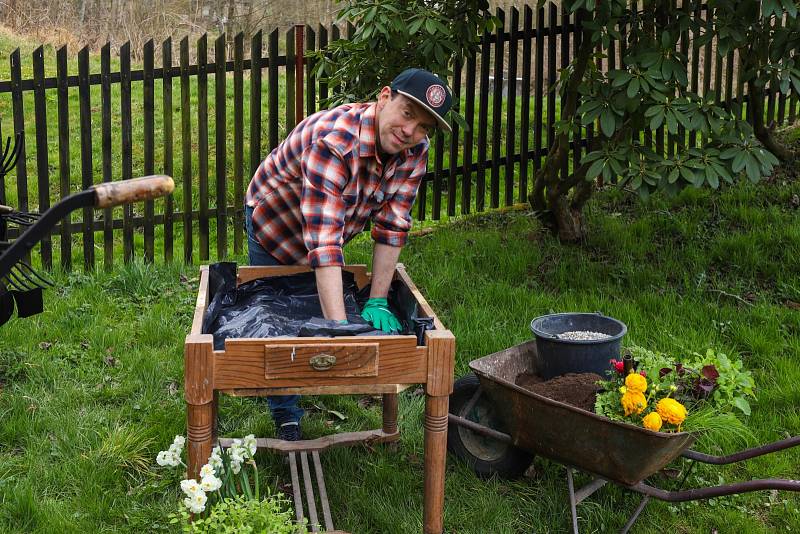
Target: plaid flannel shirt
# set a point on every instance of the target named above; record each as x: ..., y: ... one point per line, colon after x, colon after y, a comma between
x: 320, y: 186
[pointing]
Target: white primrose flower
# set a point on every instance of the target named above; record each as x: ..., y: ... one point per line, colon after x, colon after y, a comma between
x: 210, y: 483
x: 196, y: 503
x: 175, y: 449
x: 250, y: 444
x: 179, y: 441
x: 206, y: 470
x: 190, y: 487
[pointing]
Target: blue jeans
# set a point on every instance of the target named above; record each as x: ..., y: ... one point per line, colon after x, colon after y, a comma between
x: 284, y: 408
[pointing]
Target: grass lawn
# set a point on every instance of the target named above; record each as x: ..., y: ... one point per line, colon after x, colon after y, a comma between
x: 92, y: 388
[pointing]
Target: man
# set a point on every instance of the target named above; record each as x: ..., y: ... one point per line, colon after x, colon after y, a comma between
x: 337, y: 170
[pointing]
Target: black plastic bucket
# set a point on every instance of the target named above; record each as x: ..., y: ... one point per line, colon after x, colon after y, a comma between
x: 560, y: 356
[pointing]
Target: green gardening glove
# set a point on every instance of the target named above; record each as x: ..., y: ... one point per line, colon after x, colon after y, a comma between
x: 376, y: 312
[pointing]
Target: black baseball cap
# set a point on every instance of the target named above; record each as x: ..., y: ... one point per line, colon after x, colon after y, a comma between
x: 427, y: 90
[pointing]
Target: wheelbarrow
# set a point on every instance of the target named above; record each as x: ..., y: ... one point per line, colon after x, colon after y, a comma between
x: 497, y: 427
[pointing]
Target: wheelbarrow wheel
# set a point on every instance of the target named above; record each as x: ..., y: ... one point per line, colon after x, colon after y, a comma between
x: 486, y: 456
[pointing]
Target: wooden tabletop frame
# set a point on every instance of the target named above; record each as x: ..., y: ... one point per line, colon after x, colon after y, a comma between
x: 396, y: 362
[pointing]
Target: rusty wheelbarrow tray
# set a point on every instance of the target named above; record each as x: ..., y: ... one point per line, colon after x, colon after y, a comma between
x: 611, y: 450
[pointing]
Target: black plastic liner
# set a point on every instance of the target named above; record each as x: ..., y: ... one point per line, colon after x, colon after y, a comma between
x: 288, y: 306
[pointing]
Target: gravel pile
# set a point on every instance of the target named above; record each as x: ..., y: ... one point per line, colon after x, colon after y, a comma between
x: 583, y: 335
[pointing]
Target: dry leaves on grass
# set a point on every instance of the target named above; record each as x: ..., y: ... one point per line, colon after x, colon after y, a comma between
x: 368, y: 401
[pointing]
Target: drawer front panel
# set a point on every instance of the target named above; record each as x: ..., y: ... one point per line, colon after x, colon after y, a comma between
x: 312, y: 362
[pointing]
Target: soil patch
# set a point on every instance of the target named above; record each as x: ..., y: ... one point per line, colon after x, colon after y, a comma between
x: 575, y: 389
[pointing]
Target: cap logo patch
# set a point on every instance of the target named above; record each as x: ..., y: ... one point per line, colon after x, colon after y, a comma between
x: 435, y: 95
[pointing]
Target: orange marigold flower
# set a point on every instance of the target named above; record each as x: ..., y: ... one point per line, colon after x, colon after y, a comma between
x: 633, y: 402
x: 636, y: 382
x: 671, y: 411
x: 652, y: 421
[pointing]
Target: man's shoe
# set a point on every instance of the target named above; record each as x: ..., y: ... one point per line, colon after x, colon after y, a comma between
x: 290, y: 432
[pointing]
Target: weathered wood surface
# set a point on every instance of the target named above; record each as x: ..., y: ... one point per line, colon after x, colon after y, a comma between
x: 306, y: 361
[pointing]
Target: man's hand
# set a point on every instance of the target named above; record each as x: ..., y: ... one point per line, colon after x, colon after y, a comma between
x: 377, y: 313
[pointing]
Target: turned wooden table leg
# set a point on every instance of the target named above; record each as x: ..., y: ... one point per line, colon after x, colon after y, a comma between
x: 441, y: 360
x: 390, y: 413
x: 201, y: 401
x: 390, y: 419
x: 200, y: 424
x: 435, y: 456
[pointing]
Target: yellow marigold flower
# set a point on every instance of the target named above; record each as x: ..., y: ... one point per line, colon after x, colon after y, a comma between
x: 636, y: 382
x: 623, y: 389
x: 652, y: 421
x: 633, y: 402
x: 671, y: 411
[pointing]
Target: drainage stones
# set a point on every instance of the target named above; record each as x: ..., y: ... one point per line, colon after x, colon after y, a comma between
x: 583, y: 335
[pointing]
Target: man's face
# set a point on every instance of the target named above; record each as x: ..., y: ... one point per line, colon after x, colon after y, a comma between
x: 400, y: 122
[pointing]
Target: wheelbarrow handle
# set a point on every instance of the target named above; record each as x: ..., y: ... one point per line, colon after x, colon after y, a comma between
x: 111, y: 194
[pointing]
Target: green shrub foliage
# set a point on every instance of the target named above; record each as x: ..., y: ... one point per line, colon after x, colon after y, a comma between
x: 708, y: 143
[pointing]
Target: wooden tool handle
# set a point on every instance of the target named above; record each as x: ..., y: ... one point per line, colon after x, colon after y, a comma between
x: 126, y: 191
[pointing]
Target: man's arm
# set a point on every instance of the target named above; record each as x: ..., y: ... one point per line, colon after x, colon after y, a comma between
x: 329, y: 287
x: 384, y: 260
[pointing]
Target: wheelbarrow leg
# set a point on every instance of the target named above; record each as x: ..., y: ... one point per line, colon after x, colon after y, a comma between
x: 635, y: 515
x: 572, y: 503
x: 577, y: 497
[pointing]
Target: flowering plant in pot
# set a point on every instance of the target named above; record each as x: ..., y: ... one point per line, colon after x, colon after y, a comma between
x: 226, y: 498
x: 692, y: 393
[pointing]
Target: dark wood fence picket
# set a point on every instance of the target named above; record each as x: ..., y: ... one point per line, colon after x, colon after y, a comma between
x: 127, y: 147
x: 105, y: 140
x: 87, y: 173
x: 148, y: 97
x: 166, y: 106
x: 63, y: 151
x: 42, y: 163
x: 238, y: 141
x: 202, y: 144
x: 220, y: 131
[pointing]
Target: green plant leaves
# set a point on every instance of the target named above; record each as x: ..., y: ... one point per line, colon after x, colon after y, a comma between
x: 742, y: 404
x: 607, y: 122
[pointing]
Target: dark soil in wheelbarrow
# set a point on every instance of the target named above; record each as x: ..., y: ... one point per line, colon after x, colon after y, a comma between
x: 575, y: 389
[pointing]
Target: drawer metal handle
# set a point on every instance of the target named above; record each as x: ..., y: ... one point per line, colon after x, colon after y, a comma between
x: 322, y: 362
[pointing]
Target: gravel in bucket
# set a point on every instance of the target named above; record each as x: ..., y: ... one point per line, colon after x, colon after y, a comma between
x: 582, y: 335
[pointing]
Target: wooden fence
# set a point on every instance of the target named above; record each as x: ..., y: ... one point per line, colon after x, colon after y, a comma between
x: 489, y: 164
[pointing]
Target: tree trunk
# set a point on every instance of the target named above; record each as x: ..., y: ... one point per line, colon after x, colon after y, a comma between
x: 570, y: 221
x: 762, y: 132
x: 549, y: 198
